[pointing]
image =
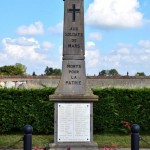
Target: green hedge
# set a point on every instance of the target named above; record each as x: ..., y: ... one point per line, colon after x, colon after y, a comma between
x: 116, y: 106
x: 19, y: 107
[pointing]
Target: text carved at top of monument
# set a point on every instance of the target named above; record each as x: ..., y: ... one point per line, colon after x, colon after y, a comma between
x: 74, y: 34
x: 74, y: 28
x: 73, y: 45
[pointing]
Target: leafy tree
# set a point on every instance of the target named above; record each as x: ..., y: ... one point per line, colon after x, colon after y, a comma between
x: 7, y: 70
x: 17, y: 69
x: 111, y: 72
x: 140, y: 74
x: 51, y: 71
x: 48, y: 71
x: 20, y: 69
x: 103, y: 73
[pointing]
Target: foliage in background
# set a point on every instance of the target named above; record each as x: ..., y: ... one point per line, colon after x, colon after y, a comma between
x: 118, y: 108
x: 115, y: 111
x: 111, y: 72
x: 19, y: 107
x: 17, y: 69
x: 140, y: 74
x: 50, y: 71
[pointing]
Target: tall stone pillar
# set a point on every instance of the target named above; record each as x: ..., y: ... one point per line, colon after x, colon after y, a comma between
x: 73, y: 78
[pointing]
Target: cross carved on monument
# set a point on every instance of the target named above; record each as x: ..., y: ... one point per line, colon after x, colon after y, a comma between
x: 73, y: 11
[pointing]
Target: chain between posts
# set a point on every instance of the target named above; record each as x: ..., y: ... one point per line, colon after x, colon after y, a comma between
x: 10, y: 146
x: 144, y: 141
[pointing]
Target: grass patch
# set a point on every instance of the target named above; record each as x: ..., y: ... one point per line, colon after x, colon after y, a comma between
x: 120, y: 141
x: 16, y: 141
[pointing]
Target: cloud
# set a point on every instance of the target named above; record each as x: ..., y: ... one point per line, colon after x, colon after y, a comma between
x: 114, y: 14
x: 47, y: 45
x: 90, y: 45
x: 57, y: 29
x: 128, y: 58
x: 124, y: 58
x: 29, y: 52
x: 95, y: 36
x: 22, y: 48
x: 91, y: 55
x: 32, y: 29
x: 144, y: 43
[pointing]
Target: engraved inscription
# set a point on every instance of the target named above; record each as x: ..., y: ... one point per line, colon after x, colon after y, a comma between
x: 74, y: 72
x: 75, y: 34
x: 73, y: 66
x: 73, y: 124
x: 73, y: 82
x: 73, y: 45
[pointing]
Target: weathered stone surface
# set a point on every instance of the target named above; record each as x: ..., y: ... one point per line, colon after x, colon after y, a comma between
x: 73, y: 79
x: 10, y: 84
x: 73, y: 98
x: 91, y: 82
x: 74, y: 146
x: 22, y: 84
x: 2, y: 84
x: 73, y: 35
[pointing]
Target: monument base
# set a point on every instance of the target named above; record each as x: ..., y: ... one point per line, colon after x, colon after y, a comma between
x: 73, y: 122
x: 74, y: 146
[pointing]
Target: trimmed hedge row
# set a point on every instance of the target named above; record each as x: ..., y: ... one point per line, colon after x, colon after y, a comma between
x: 19, y: 107
x: 115, y: 107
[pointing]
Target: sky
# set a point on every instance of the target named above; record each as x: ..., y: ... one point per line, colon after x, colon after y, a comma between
x: 117, y: 35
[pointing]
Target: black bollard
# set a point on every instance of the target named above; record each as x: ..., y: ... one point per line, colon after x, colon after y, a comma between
x: 135, y: 137
x: 27, y: 137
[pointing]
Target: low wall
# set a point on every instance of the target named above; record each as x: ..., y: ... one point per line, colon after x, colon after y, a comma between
x: 92, y: 82
x: 119, y: 82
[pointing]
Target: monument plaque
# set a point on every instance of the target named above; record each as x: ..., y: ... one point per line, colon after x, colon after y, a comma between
x: 73, y: 124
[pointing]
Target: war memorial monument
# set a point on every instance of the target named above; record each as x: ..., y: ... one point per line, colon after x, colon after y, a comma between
x: 73, y: 124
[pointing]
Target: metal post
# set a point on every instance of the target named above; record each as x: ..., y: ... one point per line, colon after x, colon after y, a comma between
x: 27, y: 137
x: 135, y: 137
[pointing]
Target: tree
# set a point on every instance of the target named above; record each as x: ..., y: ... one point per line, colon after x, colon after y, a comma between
x: 111, y: 72
x: 20, y: 69
x: 50, y: 71
x: 103, y: 73
x: 7, y: 70
x: 17, y: 69
x: 140, y: 74
x: 33, y: 74
x: 57, y: 71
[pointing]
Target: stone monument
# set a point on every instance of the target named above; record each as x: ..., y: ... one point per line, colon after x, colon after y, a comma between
x: 73, y: 124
